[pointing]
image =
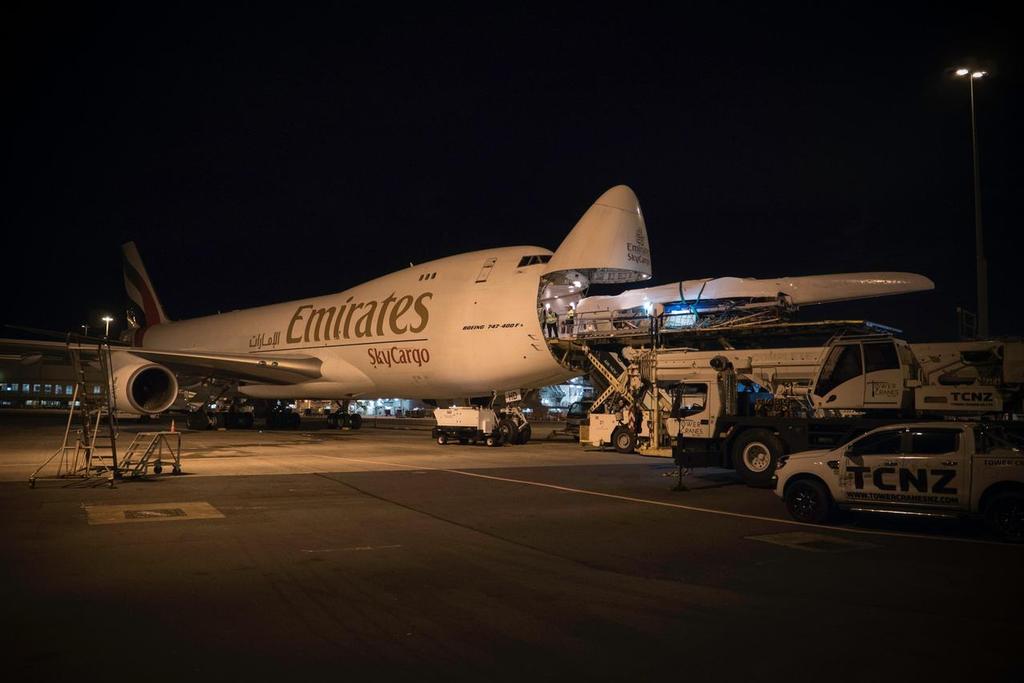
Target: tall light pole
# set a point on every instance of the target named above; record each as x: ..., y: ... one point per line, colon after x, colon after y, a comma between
x: 979, y: 242
x: 106, y: 330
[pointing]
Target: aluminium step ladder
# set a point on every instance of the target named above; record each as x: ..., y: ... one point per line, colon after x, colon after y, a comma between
x: 88, y: 452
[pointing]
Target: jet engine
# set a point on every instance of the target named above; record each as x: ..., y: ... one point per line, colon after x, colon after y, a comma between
x: 141, y: 386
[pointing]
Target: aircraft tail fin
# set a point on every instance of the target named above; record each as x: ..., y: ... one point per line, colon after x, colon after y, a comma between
x: 140, y: 288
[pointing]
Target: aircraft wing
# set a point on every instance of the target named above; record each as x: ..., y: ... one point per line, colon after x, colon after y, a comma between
x: 240, y: 366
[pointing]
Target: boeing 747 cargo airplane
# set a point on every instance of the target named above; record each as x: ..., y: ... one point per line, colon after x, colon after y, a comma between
x: 458, y: 327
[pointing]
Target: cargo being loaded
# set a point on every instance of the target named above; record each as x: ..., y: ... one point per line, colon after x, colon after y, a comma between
x: 730, y: 300
x: 744, y: 408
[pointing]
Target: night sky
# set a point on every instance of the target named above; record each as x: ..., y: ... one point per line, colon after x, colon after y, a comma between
x: 259, y: 156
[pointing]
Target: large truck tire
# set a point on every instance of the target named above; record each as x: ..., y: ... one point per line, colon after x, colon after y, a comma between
x: 755, y: 453
x: 355, y: 420
x: 624, y: 440
x: 1004, y: 515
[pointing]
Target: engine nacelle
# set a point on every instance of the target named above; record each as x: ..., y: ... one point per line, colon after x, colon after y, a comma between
x: 141, y: 386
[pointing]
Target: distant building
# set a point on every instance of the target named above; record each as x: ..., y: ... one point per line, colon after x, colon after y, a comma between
x: 41, y: 385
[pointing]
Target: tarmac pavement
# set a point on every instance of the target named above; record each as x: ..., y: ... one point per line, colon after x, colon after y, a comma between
x: 378, y: 554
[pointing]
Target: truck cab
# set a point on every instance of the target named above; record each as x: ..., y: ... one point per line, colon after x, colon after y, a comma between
x: 576, y: 416
x: 864, y: 375
x: 928, y: 468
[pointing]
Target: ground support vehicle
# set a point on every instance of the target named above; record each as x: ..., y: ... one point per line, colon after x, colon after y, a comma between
x: 922, y: 468
x: 745, y: 408
x: 467, y: 424
x: 575, y: 417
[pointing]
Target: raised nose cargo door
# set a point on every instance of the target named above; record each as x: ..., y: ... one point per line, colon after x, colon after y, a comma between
x: 607, y: 245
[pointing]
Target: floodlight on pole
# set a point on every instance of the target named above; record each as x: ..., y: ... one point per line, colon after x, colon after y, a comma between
x: 107, y: 320
x: 979, y: 243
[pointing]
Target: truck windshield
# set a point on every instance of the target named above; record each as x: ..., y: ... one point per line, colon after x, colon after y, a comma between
x: 880, y: 356
x: 690, y: 399
x: 843, y: 364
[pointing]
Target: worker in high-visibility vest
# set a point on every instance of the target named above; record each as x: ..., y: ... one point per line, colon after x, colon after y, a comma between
x: 570, y: 320
x: 551, y: 324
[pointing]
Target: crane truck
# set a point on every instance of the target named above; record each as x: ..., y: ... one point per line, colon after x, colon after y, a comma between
x: 745, y: 408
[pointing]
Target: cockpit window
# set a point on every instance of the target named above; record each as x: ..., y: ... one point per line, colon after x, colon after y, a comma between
x: 533, y: 260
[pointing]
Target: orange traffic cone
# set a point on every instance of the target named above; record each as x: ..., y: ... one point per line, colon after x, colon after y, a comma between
x: 172, y: 424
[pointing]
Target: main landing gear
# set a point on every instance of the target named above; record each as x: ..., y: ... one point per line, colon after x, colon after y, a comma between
x: 342, y: 419
x: 203, y: 419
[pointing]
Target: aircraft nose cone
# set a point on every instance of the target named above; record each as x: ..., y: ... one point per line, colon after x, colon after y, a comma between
x: 620, y: 197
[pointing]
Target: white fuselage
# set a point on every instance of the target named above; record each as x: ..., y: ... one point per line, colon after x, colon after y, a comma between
x: 460, y: 326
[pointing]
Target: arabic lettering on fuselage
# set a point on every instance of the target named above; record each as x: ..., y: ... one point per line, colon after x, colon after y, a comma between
x: 258, y: 341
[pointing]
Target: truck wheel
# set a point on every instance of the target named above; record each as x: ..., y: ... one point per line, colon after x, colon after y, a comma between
x: 525, y: 433
x: 807, y: 500
x: 355, y: 420
x: 492, y: 440
x: 508, y: 430
x: 1004, y: 516
x: 624, y: 440
x: 754, y: 456
x: 442, y: 439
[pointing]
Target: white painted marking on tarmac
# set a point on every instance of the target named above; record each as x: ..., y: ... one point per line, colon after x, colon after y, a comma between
x: 812, y: 543
x: 357, y: 548
x: 691, y: 508
x: 150, y: 512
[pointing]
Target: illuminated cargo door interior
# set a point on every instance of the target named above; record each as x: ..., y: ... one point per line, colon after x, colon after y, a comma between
x: 485, y: 272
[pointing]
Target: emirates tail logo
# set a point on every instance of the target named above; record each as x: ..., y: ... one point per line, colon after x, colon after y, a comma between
x: 638, y: 252
x: 641, y: 237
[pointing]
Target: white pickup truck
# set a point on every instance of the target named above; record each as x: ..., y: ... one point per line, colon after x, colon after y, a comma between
x: 929, y: 468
